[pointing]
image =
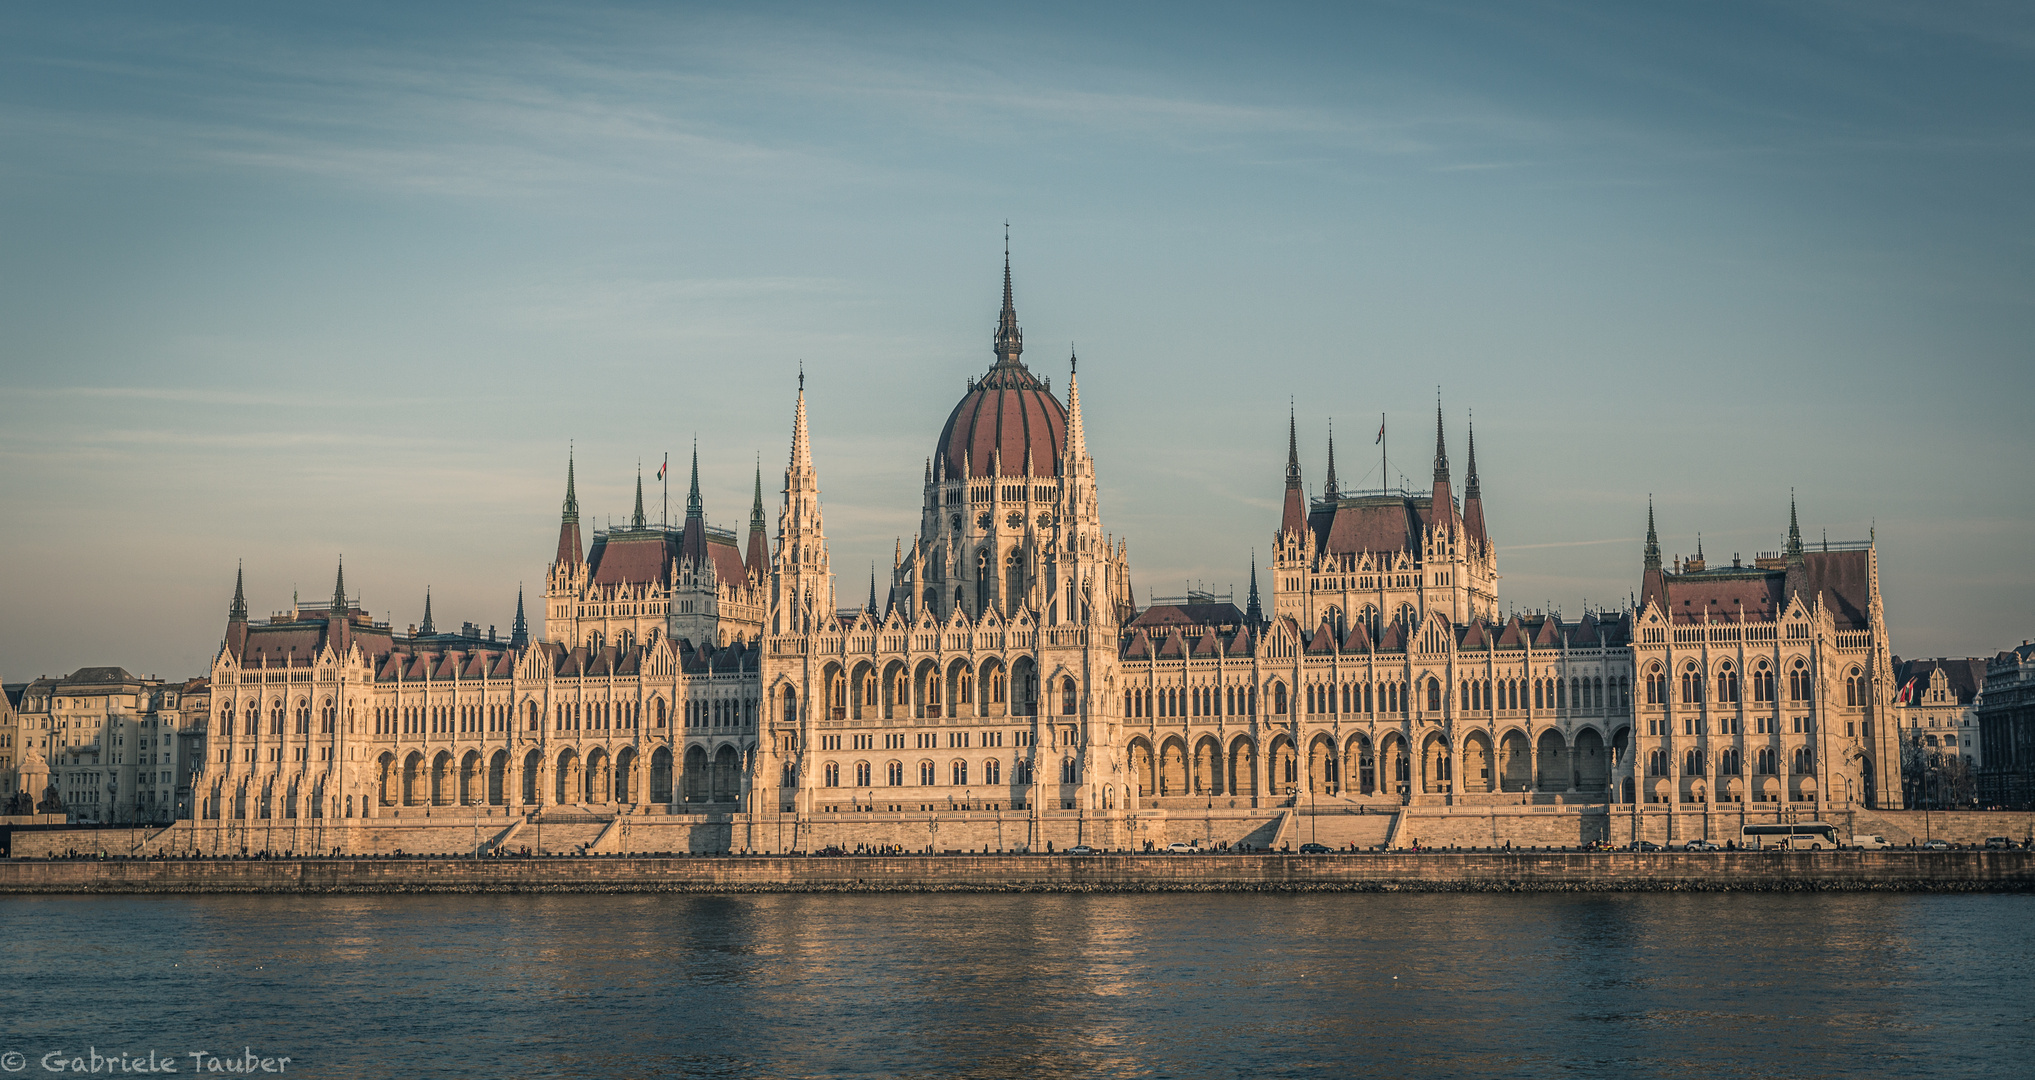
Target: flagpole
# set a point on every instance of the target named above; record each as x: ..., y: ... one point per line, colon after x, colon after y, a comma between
x: 664, y: 480
x: 1384, y: 476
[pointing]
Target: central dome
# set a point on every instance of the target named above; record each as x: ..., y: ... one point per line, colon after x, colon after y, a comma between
x: 1009, y: 419
x: 1007, y: 414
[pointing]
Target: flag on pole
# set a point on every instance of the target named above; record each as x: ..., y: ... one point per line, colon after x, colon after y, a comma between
x: 1907, y: 693
x: 666, y: 465
x: 1381, y: 434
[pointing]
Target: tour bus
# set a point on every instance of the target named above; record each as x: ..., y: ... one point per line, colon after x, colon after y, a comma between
x: 1805, y: 836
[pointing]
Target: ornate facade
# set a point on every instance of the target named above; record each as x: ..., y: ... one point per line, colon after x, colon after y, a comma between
x: 1006, y: 670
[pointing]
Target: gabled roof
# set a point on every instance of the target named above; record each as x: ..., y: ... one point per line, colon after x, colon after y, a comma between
x: 1358, y: 640
x: 1243, y: 644
x: 1478, y: 636
x: 1139, y: 647
x: 1549, y: 635
x: 1375, y: 523
x: 1323, y: 641
x: 1966, y: 677
x: 635, y: 557
x: 1174, y: 647
x: 1207, y: 645
x: 1513, y: 636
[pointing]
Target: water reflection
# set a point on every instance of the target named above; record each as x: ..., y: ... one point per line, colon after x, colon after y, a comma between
x: 1007, y: 986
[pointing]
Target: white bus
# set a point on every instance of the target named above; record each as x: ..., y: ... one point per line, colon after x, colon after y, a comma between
x: 1805, y: 836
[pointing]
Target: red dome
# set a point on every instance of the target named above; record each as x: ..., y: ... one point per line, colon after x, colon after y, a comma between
x: 1010, y: 411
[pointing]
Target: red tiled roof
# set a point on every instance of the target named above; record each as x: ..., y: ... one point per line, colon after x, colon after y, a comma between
x: 727, y: 560
x: 1323, y: 641
x: 1208, y: 645
x: 631, y: 558
x: 1243, y: 644
x: 1174, y: 648
x: 1139, y: 647
x: 1008, y: 411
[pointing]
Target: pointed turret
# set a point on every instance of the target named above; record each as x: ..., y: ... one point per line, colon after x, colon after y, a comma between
x: 1328, y: 488
x: 1653, y: 583
x: 692, y: 544
x: 1077, y: 439
x: 519, y: 635
x: 1794, y: 529
x: 1253, y: 610
x: 1473, y: 495
x: 757, y: 561
x: 338, y: 630
x: 803, y: 588
x: 637, y: 520
x: 872, y: 590
x: 1294, y: 517
x: 1444, y: 499
x: 427, y: 627
x: 236, y: 616
x: 1010, y: 341
x: 568, y: 522
x: 339, y: 590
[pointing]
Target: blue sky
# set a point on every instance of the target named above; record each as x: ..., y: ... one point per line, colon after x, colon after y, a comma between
x: 279, y: 284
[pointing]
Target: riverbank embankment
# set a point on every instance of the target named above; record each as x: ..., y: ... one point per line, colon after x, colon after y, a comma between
x: 1517, y: 871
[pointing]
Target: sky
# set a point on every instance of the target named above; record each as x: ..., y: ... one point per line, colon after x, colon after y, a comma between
x: 285, y: 283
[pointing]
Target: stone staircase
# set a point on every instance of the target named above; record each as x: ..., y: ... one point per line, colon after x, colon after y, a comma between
x: 1341, y: 829
x: 565, y: 832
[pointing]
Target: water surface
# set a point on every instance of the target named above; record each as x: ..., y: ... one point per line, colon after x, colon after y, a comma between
x: 1417, y: 985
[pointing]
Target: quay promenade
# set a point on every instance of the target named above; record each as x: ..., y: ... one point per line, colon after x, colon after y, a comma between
x: 1432, y: 871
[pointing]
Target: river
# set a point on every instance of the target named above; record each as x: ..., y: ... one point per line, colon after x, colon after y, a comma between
x: 1173, y: 985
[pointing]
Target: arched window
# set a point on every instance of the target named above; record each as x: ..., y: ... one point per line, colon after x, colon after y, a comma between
x: 1727, y: 683
x: 1433, y: 694
x: 1800, y: 686
x: 833, y: 773
x: 960, y: 773
x: 893, y: 774
x: 790, y: 715
x: 1692, y: 684
x: 1279, y: 699
x: 1656, y: 684
x: 861, y: 774
x: 1657, y: 763
x: 1067, y: 695
x: 926, y: 775
x: 1854, y: 688
x: 992, y: 771
x: 1805, y: 761
x: 1692, y: 763
x: 1727, y: 762
x: 1762, y: 682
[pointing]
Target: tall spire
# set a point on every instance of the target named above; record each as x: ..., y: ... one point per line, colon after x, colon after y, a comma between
x: 756, y: 506
x: 1292, y: 448
x: 571, y: 513
x: 339, y: 589
x: 1470, y: 488
x: 872, y: 589
x: 1652, y: 582
x: 1794, y: 527
x: 1329, y: 489
x: 568, y: 520
x: 694, y: 508
x: 1653, y: 540
x: 801, y: 442
x: 637, y: 520
x: 1441, y: 448
x: 238, y: 612
x: 519, y: 636
x: 1010, y: 341
x: 428, y: 628
x: 1077, y: 439
x: 1254, y: 610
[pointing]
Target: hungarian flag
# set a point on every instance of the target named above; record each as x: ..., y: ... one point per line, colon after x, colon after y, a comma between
x: 664, y: 466
x: 1381, y: 434
x: 1907, y: 692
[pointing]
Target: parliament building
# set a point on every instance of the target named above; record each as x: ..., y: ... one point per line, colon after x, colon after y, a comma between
x: 1005, y: 686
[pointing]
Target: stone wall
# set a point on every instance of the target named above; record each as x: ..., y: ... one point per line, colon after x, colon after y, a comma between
x: 1432, y: 871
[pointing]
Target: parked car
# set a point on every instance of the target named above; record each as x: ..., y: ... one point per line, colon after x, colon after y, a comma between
x: 1700, y: 845
x: 1642, y: 845
x: 1999, y: 841
x: 1179, y: 849
x: 1936, y: 844
x: 1869, y: 842
x: 1081, y: 849
x: 1314, y: 849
